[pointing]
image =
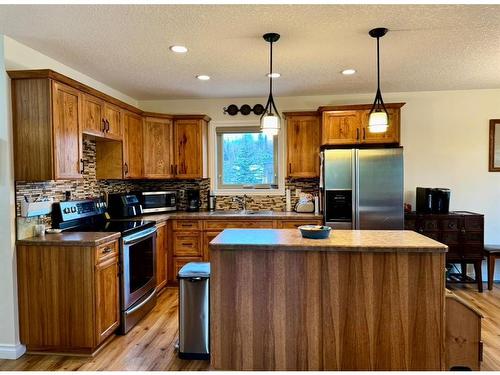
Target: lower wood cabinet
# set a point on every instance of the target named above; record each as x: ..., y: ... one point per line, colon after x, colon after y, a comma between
x: 161, y: 255
x: 68, y: 296
x: 292, y: 224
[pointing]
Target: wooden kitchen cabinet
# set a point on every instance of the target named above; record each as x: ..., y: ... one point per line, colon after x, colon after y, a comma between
x: 132, y: 146
x: 158, y: 147
x: 69, y: 296
x: 348, y: 125
x: 303, y: 142
x: 46, y: 130
x: 101, y: 119
x: 190, y: 141
x: 161, y: 256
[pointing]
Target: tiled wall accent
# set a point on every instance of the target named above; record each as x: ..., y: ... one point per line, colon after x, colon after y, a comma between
x: 269, y: 202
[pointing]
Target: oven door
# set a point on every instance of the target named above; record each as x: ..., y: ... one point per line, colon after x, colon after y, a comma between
x: 138, y: 260
x: 158, y: 201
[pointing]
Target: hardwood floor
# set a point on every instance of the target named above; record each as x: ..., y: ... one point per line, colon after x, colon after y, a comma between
x: 150, y: 345
x: 488, y: 303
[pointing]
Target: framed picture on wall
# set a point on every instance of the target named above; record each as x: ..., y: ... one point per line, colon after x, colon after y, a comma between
x: 494, y: 160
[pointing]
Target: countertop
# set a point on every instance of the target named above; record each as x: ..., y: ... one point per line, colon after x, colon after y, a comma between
x: 233, y: 214
x: 71, y: 239
x: 340, y: 240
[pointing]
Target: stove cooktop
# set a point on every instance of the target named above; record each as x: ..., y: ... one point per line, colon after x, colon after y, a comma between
x: 125, y: 227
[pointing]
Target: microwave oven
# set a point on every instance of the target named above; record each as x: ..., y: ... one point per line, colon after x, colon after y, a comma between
x: 158, y: 201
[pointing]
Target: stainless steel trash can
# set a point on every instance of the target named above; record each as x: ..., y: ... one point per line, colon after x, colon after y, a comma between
x: 194, y: 311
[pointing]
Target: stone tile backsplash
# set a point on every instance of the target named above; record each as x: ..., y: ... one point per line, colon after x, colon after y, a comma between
x: 90, y: 187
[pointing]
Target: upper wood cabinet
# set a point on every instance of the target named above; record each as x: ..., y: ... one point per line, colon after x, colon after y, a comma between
x: 348, y: 125
x: 46, y: 130
x: 132, y: 146
x: 190, y: 139
x: 157, y: 139
x: 101, y: 119
x: 303, y: 141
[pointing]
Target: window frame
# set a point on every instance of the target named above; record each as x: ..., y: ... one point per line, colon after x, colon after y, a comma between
x: 215, y: 158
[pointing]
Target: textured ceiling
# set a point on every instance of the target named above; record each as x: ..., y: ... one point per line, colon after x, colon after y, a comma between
x: 429, y: 47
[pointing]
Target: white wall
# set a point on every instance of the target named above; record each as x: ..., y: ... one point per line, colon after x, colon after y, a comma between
x: 20, y: 57
x: 14, y: 55
x: 444, y: 134
x: 9, y: 330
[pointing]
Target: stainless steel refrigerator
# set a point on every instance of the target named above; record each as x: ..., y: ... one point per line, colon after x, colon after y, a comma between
x: 363, y: 188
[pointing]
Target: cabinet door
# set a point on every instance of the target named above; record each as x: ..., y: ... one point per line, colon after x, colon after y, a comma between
x: 157, y: 148
x: 341, y: 127
x: 67, y: 138
x: 187, y: 244
x: 107, y: 299
x: 188, y: 149
x: 93, y: 119
x: 161, y: 253
x: 113, y: 117
x: 392, y: 133
x: 303, y: 146
x: 132, y: 146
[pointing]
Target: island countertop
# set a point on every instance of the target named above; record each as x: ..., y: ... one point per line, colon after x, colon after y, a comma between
x: 339, y: 240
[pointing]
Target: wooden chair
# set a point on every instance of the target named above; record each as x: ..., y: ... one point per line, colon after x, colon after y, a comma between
x: 492, y: 252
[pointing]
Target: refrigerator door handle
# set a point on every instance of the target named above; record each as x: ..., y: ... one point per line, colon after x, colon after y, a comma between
x: 354, y: 158
x: 356, y: 189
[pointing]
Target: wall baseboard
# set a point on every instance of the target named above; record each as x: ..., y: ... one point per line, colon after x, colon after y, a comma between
x: 12, y: 351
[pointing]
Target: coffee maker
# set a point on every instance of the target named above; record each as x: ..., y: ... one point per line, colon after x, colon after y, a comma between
x: 193, y: 200
x: 433, y: 200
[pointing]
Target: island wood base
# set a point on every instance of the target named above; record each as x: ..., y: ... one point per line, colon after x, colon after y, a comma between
x: 320, y: 310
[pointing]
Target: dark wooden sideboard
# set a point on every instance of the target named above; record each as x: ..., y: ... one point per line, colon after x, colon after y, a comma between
x: 462, y: 231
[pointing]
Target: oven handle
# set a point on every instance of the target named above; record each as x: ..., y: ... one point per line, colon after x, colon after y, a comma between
x: 133, y: 238
x: 135, y: 308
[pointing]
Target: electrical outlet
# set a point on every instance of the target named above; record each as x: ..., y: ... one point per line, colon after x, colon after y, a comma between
x: 297, y: 192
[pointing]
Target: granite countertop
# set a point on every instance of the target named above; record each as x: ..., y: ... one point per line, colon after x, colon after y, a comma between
x: 71, y: 239
x: 233, y: 214
x: 340, y: 240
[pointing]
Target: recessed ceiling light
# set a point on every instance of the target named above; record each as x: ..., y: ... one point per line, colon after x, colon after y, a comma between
x: 348, y: 72
x: 178, y: 49
x: 273, y: 75
x: 203, y: 77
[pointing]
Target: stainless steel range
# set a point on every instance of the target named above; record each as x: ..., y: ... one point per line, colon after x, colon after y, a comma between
x: 137, y: 253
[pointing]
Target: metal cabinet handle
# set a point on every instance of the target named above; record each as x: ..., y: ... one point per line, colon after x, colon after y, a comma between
x: 357, y: 133
x: 125, y: 168
x: 82, y: 170
x: 364, y: 133
x: 107, y: 250
x: 290, y: 168
x: 107, y: 126
x: 175, y: 169
x: 103, y: 129
x: 187, y: 244
x: 171, y: 169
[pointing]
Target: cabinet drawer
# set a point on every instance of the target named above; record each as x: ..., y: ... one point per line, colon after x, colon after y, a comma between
x: 473, y: 237
x: 450, y: 238
x: 216, y: 224
x: 473, y: 223
x: 179, y: 262
x: 187, y: 225
x: 186, y: 244
x: 291, y: 224
x: 429, y: 224
x: 450, y: 224
x: 108, y: 250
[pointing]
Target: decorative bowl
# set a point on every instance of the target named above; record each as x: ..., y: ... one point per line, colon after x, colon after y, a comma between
x: 316, y: 232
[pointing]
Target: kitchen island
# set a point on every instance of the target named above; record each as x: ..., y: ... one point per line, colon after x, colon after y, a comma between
x: 360, y: 300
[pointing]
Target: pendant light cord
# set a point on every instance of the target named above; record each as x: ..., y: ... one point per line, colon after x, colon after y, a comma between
x: 271, y: 69
x: 378, y: 65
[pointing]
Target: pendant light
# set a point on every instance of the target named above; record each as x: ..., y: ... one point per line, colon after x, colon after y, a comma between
x: 378, y: 121
x: 270, y: 119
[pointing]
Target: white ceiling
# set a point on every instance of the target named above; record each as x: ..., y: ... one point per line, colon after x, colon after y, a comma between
x: 429, y: 47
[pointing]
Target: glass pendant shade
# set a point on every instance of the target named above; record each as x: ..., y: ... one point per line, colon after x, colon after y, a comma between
x: 270, y: 124
x: 378, y: 122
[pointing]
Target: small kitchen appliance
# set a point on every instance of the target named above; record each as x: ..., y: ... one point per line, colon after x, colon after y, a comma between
x: 157, y: 201
x: 432, y: 200
x: 193, y: 200
x: 123, y: 205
